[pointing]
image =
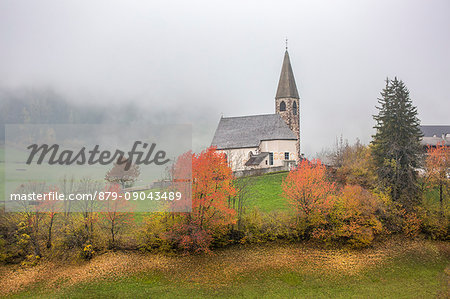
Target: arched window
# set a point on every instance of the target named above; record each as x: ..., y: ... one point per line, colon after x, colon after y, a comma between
x: 282, y: 106
x: 294, y: 107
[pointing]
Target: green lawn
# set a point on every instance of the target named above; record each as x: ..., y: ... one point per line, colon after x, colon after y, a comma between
x: 413, y: 276
x: 266, y: 193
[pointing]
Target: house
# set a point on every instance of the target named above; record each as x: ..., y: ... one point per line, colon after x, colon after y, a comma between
x: 432, y: 135
x: 269, y: 141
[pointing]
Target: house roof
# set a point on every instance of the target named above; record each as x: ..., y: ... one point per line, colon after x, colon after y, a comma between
x: 432, y: 135
x: 286, y: 86
x: 256, y: 159
x: 438, y: 131
x: 249, y: 131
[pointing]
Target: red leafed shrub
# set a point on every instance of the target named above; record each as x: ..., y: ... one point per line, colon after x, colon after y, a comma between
x: 212, y: 187
x: 190, y: 237
x: 310, y: 194
x: 325, y: 214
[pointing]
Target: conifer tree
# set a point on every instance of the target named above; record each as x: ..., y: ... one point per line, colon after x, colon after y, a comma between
x: 396, y: 144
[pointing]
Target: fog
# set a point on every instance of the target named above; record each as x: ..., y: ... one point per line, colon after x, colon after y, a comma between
x: 193, y: 61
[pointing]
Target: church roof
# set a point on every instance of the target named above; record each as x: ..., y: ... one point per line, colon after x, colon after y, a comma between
x: 249, y: 131
x: 286, y: 86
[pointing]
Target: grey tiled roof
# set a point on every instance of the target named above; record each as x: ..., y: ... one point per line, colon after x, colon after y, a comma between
x: 256, y: 159
x: 286, y: 86
x: 430, y: 131
x: 248, y: 131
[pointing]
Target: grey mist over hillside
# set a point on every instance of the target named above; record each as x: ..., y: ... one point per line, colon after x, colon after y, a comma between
x: 46, y: 106
x: 193, y: 61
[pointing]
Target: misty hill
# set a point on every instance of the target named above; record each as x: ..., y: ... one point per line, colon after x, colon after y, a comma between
x: 46, y: 106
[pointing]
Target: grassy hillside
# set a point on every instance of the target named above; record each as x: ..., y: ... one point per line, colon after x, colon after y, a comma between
x: 265, y: 192
x: 397, y: 269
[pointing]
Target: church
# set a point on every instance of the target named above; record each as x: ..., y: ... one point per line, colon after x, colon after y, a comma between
x: 268, y: 142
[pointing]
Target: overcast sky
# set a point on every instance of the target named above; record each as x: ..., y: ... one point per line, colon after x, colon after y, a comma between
x: 224, y: 57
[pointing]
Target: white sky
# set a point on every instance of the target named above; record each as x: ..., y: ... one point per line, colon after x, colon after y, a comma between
x: 212, y: 57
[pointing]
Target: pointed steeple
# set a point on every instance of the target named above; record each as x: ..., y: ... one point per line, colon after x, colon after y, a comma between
x: 286, y: 85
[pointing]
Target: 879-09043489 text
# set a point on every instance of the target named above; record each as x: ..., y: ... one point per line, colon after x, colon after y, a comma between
x: 101, y: 196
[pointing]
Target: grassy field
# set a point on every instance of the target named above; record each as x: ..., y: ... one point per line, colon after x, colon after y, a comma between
x: 396, y: 269
x: 266, y: 193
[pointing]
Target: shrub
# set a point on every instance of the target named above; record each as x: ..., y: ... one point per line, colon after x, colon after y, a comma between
x: 190, y: 237
x: 153, y: 235
x: 88, y: 252
x: 352, y: 220
x: 411, y: 224
x: 310, y: 194
x: 435, y: 218
x: 258, y: 227
x: 435, y: 226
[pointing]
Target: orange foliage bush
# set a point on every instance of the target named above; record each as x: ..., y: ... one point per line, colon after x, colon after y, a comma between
x: 324, y: 214
x: 354, y: 219
x: 212, y: 187
x: 309, y: 193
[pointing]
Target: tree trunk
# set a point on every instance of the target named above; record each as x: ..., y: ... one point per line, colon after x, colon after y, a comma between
x: 35, y: 235
x: 49, y: 240
x: 113, y: 241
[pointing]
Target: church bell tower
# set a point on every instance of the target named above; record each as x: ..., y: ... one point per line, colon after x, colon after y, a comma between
x: 287, y: 100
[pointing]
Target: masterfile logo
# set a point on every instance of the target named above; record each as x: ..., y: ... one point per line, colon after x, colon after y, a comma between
x: 95, y: 164
x: 94, y: 156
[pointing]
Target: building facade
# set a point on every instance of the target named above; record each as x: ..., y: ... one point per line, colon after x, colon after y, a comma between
x: 434, y: 135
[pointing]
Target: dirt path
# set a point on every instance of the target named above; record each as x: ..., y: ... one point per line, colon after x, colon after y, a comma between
x: 218, y: 268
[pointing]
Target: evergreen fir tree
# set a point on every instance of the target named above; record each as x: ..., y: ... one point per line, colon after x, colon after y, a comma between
x: 396, y: 145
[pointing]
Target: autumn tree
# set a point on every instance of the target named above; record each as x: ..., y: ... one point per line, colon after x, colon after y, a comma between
x: 212, y: 188
x: 51, y: 208
x: 33, y: 214
x: 357, y: 167
x: 181, y: 176
x: 309, y: 193
x: 67, y: 185
x: 244, y: 188
x: 353, y: 218
x: 438, y: 169
x: 396, y: 145
x: 87, y: 185
x: 337, y: 155
x: 116, y: 213
x: 121, y: 175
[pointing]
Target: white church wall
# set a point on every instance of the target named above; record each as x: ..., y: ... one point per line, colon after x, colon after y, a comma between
x: 278, y: 148
x: 237, y: 157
